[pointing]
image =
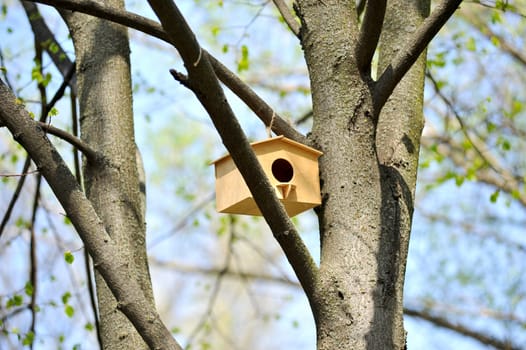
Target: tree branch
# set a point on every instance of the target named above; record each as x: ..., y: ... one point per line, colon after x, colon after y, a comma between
x: 370, y: 31
x: 106, y: 255
x: 89, y: 152
x: 410, y: 53
x: 145, y: 25
x: 287, y: 16
x: 203, y: 82
x: 468, y: 332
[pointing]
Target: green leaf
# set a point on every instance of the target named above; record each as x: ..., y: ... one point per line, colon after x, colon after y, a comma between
x: 53, y: 112
x: 16, y: 300
x: 29, y: 338
x: 471, y: 44
x: 69, y: 310
x: 69, y: 257
x: 67, y: 221
x: 65, y: 297
x: 243, y: 63
x: 89, y: 326
x: 28, y: 288
x: 494, y: 196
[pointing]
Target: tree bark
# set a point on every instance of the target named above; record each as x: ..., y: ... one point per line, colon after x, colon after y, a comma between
x: 350, y: 215
x: 398, y: 143
x: 106, y: 122
x: 368, y: 174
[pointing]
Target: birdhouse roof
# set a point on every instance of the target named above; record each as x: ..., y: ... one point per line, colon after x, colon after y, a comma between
x: 277, y: 140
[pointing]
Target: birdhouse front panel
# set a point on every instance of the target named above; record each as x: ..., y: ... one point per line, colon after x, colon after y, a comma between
x: 292, y: 170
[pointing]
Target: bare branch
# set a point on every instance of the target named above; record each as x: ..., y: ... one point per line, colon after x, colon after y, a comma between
x: 16, y: 194
x: 370, y: 33
x: 107, y: 257
x: 287, y: 16
x: 145, y: 25
x: 410, y: 53
x: 89, y: 152
x: 463, y: 330
x: 205, y: 85
x: 255, y: 103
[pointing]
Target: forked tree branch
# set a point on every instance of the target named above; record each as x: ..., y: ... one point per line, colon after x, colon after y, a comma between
x: 203, y: 82
x: 107, y: 257
x: 410, y: 53
x: 370, y: 31
x: 148, y: 26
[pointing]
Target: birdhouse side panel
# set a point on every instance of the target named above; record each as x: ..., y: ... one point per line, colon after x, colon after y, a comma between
x: 230, y: 186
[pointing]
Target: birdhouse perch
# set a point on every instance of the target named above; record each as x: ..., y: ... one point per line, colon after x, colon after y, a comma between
x: 291, y: 167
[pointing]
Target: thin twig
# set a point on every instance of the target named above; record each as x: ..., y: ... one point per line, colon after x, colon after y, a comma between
x: 33, y: 259
x: 15, y: 195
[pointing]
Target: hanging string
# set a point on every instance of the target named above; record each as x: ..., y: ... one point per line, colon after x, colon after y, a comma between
x: 269, y: 127
x: 198, y: 57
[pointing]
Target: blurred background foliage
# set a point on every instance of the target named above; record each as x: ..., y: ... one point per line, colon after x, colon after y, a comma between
x: 221, y: 281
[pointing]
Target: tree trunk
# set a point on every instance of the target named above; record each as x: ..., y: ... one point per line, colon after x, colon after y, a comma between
x: 106, y: 121
x: 368, y: 173
x: 398, y: 143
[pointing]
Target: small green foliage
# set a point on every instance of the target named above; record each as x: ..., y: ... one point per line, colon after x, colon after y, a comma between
x: 53, y: 112
x: 68, y: 256
x: 21, y: 222
x: 437, y: 61
x: 243, y: 63
x: 495, y: 17
x: 224, y: 49
x: 29, y: 338
x: 215, y: 30
x: 42, y: 79
x: 69, y: 310
x: 65, y: 297
x: 471, y: 44
x: 175, y: 330
x: 15, y: 300
x: 67, y: 221
x: 28, y: 289
x: 494, y: 196
x: 89, y: 327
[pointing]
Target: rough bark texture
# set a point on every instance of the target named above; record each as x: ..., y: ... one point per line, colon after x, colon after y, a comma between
x: 398, y: 144
x: 344, y: 130
x: 367, y: 200
x: 104, y: 85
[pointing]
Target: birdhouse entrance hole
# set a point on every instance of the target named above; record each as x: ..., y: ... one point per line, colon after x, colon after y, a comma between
x: 282, y: 170
x: 290, y: 167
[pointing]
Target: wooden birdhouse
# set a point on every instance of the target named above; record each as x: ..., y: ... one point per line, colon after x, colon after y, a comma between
x: 291, y: 167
